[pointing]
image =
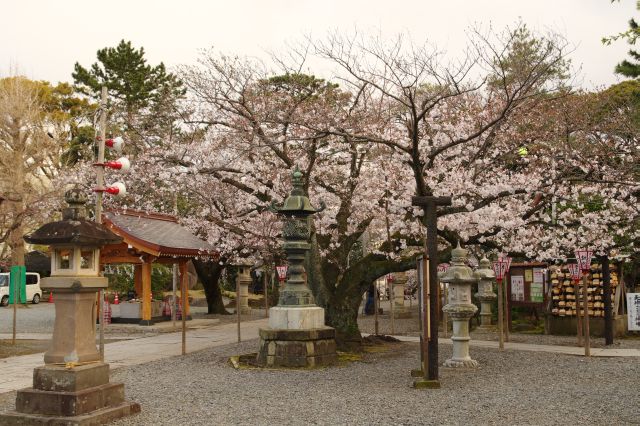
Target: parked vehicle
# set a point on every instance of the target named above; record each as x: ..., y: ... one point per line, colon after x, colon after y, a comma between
x: 34, y: 293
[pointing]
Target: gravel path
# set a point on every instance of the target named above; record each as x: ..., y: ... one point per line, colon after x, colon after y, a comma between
x: 509, y: 388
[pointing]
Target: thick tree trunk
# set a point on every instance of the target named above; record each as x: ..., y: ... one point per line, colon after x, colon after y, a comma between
x: 341, y: 313
x: 209, y: 273
x: 346, y: 295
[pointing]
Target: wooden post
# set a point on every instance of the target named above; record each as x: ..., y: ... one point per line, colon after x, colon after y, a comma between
x: 174, y: 302
x: 500, y: 315
x: 98, y: 218
x: 375, y: 306
x: 392, y: 300
x: 445, y: 325
x: 576, y: 288
x: 137, y: 280
x: 606, y: 287
x: 507, y: 310
x: 184, y: 282
x: 426, y: 317
x: 587, y: 342
x: 266, y: 281
x: 429, y: 205
x: 101, y: 324
x: 238, y: 302
x: 146, y: 293
x: 16, y: 293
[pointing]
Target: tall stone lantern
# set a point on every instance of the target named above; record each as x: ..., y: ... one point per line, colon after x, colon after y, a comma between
x: 485, y: 294
x: 73, y: 386
x: 297, y: 335
x: 459, y: 307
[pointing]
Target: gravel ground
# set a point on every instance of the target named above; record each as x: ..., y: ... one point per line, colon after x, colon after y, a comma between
x: 509, y: 388
x: 411, y: 327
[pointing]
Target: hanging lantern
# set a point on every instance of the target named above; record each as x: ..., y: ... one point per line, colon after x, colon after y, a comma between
x: 116, y: 143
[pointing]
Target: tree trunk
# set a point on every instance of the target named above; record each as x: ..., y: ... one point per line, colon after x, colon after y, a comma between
x: 341, y: 307
x: 341, y: 313
x: 209, y: 273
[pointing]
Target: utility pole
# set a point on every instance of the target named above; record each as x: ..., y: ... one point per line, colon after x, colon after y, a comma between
x: 430, y: 204
x: 98, y: 213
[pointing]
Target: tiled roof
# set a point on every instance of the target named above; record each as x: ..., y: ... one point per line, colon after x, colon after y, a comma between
x: 158, y: 231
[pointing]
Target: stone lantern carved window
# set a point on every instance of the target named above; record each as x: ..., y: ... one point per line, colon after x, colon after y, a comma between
x: 64, y: 257
x: 87, y: 260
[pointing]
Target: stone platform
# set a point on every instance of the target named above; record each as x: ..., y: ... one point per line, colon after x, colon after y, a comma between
x: 80, y: 395
x: 297, y: 348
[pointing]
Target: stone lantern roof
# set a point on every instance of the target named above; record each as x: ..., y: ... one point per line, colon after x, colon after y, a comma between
x: 485, y: 272
x: 74, y: 228
x: 458, y: 272
x: 297, y: 203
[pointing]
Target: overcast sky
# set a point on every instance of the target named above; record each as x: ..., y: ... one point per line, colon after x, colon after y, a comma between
x: 43, y: 39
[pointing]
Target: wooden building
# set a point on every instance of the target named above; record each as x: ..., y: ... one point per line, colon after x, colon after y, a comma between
x: 152, y: 238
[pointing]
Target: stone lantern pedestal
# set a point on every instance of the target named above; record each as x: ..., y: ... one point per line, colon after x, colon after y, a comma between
x: 73, y: 387
x: 459, y: 307
x: 399, y: 285
x: 297, y: 335
x: 485, y: 293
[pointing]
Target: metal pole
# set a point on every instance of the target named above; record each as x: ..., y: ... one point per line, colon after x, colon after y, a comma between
x: 238, y: 303
x: 98, y: 213
x: 500, y: 315
x: 587, y: 342
x: 576, y: 288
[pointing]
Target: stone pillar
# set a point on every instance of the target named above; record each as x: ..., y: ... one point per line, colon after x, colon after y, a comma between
x: 459, y: 307
x: 74, y: 329
x: 399, y: 285
x: 485, y: 293
x: 244, y: 279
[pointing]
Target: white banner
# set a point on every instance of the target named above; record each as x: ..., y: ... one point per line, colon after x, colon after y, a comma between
x: 633, y: 311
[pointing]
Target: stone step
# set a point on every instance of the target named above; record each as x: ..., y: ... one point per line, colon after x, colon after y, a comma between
x: 34, y: 401
x: 94, y: 418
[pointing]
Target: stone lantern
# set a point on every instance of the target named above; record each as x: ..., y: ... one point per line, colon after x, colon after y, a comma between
x: 485, y: 293
x: 244, y: 280
x: 73, y: 385
x: 297, y: 335
x: 459, y: 307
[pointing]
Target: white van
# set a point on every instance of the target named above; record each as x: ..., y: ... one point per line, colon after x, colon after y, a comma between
x: 34, y: 293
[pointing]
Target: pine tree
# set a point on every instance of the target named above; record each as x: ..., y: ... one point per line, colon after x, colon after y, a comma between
x: 628, y: 68
x: 142, y: 97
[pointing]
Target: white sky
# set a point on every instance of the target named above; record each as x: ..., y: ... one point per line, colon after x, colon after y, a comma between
x: 43, y: 39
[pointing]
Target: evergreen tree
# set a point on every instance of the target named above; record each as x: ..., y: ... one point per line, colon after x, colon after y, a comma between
x: 143, y: 97
x: 628, y: 68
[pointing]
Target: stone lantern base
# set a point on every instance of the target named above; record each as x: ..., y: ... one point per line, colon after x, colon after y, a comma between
x: 297, y: 337
x: 70, y: 396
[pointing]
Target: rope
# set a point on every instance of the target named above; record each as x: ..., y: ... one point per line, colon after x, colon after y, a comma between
x: 73, y: 364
